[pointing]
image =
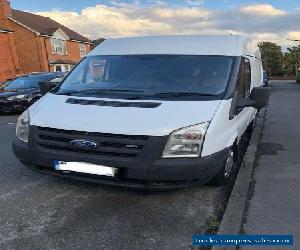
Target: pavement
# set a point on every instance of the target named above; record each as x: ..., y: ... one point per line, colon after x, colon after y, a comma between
x: 45, y: 212
x: 274, y: 202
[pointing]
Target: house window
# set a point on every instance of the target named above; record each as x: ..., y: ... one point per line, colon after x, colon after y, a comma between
x: 59, y: 46
x: 58, y: 68
x: 63, y: 67
x: 67, y: 68
x: 82, y: 49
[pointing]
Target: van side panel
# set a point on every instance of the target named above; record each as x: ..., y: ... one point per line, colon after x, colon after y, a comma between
x: 221, y: 132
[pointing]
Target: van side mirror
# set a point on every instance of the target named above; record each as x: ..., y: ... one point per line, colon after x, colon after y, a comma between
x: 45, y: 87
x: 258, y: 98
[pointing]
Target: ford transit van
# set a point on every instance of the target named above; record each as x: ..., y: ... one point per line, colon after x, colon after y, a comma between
x: 161, y: 111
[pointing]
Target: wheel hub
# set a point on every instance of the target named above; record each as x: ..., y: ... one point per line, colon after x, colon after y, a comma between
x: 229, y: 164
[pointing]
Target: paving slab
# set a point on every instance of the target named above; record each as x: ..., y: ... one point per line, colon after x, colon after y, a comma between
x: 274, y: 205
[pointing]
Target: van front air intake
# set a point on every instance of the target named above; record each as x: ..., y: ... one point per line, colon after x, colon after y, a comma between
x: 112, y: 145
x: 113, y: 103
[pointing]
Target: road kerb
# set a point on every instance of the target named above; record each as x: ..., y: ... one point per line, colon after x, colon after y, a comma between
x: 232, y: 219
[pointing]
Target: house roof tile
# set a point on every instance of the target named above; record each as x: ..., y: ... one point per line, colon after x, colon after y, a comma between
x: 44, y: 25
x: 98, y: 41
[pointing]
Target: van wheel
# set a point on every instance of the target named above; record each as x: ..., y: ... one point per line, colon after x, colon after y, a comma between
x: 251, y: 126
x: 227, y: 170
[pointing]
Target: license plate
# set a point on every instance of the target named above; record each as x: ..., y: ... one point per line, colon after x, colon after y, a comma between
x: 87, y: 168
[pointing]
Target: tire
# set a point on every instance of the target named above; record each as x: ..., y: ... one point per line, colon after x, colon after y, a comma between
x: 251, y: 126
x: 227, y: 170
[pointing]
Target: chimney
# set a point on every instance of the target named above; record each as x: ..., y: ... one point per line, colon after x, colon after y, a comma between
x: 5, y: 11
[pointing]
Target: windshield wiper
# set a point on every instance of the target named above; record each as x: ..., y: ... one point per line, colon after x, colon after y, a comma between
x: 98, y: 91
x: 175, y: 94
x: 169, y: 95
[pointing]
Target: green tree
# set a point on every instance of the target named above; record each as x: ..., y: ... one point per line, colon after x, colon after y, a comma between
x: 272, y: 57
x: 291, y: 61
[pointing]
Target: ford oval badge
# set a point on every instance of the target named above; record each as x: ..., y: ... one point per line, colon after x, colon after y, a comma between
x: 83, y: 144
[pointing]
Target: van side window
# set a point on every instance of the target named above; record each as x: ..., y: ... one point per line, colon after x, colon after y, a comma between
x: 244, y: 79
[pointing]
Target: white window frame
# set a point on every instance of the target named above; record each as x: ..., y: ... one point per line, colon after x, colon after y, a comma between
x: 82, y: 49
x: 56, y: 65
x: 59, y: 46
x: 59, y: 42
x: 64, y: 67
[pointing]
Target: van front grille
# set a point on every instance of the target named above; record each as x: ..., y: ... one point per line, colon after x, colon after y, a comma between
x: 113, y: 145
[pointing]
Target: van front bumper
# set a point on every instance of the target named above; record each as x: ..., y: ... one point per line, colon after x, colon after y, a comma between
x: 156, y: 174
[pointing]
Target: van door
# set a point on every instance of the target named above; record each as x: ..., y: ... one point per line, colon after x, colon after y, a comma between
x: 244, y: 116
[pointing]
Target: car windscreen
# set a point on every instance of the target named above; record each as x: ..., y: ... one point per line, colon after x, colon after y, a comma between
x: 57, y: 79
x: 27, y: 82
x: 7, y: 82
x: 150, y: 75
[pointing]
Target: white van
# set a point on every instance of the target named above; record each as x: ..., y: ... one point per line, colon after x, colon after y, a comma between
x: 161, y: 111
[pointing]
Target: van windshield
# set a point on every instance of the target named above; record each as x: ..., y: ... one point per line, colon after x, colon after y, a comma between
x: 149, y: 76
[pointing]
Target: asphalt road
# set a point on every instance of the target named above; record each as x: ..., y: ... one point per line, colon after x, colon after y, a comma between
x: 45, y: 212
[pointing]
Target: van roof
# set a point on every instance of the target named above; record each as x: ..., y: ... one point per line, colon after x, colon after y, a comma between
x: 228, y: 45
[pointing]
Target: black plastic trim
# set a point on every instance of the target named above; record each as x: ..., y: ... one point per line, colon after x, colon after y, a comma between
x: 147, y: 170
x: 113, y: 103
x: 229, y: 93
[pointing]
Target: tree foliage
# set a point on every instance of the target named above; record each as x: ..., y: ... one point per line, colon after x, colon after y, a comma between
x: 276, y: 62
x: 291, y: 60
x: 272, y: 57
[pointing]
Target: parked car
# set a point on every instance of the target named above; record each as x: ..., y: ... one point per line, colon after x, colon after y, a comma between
x: 18, y: 94
x: 155, y: 112
x: 46, y: 86
x: 267, y: 79
x: 4, y: 84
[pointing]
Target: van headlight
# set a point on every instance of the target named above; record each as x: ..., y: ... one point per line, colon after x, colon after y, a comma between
x: 22, y: 131
x: 186, y: 142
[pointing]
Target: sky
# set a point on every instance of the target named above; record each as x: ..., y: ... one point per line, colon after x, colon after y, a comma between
x: 274, y: 21
x: 70, y: 5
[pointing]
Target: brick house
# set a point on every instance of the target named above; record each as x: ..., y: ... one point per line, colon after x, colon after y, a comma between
x: 9, y: 65
x: 41, y: 43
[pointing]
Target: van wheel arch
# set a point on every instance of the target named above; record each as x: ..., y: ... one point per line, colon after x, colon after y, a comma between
x: 220, y: 178
x: 236, y: 150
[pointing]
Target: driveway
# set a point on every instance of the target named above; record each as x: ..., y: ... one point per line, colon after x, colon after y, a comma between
x: 45, y: 212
